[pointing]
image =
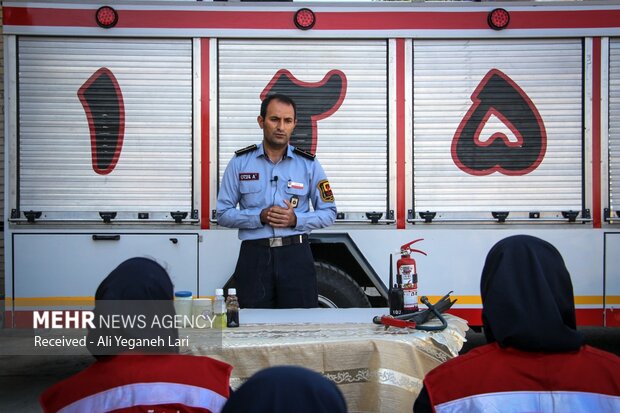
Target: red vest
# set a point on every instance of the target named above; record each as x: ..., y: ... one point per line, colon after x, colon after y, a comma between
x: 492, y: 379
x: 143, y: 383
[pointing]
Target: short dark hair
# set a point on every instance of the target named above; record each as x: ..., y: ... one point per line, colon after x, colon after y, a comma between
x: 280, y: 98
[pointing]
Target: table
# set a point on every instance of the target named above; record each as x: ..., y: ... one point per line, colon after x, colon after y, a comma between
x: 377, y: 370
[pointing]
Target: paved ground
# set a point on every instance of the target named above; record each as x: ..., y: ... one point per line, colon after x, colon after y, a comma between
x: 22, y: 379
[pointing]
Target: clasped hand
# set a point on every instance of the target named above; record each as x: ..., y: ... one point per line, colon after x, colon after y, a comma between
x: 279, y: 217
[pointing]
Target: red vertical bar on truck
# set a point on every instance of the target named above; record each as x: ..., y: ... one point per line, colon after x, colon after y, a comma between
x: 205, y: 124
x: 400, y: 134
x: 596, y: 132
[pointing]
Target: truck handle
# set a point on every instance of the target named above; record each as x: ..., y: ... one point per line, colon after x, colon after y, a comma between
x: 113, y: 237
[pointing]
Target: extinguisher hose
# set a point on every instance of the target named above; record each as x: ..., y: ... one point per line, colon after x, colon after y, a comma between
x: 431, y: 307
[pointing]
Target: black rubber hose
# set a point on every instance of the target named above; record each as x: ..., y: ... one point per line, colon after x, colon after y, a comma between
x: 431, y: 307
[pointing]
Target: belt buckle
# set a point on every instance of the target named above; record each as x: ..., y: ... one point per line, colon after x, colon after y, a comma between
x: 275, y: 242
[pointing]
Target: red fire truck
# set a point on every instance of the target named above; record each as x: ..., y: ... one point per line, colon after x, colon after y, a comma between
x: 457, y: 122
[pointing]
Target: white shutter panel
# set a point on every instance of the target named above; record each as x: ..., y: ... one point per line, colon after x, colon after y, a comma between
x: 153, y: 173
x: 352, y: 141
x: 614, y: 128
x: 446, y: 75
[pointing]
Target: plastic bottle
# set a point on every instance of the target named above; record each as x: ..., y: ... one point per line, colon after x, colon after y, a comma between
x: 202, y: 312
x: 232, y: 309
x: 219, y: 309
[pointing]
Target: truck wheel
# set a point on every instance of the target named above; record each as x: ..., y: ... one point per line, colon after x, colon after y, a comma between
x: 337, y: 289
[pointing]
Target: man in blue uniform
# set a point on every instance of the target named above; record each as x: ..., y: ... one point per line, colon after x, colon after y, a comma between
x: 273, y: 183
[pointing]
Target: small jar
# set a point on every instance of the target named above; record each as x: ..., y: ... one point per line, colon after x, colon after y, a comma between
x: 183, y: 305
x: 202, y: 312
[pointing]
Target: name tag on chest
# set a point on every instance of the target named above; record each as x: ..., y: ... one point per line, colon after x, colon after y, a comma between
x: 295, y: 185
x: 248, y: 176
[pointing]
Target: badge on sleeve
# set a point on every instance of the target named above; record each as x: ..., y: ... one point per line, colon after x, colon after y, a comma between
x: 326, y: 191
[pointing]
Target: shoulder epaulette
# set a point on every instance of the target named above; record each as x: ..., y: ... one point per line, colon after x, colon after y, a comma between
x: 305, y: 154
x: 246, y: 149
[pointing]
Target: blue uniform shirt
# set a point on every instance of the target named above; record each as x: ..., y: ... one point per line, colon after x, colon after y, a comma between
x: 253, y: 182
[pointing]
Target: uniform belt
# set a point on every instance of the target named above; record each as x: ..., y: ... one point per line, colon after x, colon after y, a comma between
x: 280, y: 241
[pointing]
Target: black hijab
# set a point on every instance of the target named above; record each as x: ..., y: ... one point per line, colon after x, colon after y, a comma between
x: 138, y: 287
x: 286, y: 389
x: 527, y: 297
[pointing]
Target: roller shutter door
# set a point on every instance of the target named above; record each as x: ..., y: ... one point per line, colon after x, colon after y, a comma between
x: 614, y: 128
x: 137, y: 93
x: 351, y: 130
x: 497, y: 127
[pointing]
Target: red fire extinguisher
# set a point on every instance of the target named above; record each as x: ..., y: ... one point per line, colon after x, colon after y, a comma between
x: 408, y: 276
